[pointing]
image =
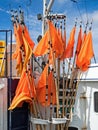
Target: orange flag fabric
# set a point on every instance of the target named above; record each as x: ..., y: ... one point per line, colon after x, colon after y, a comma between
x: 42, y: 46
x: 27, y: 37
x: 86, y: 53
x: 22, y: 40
x: 18, y: 34
x: 41, y: 88
x: 25, y: 91
x: 52, y: 36
x: 55, y: 39
x: 70, y: 46
x: 19, y: 42
x: 51, y: 89
x: 43, y: 76
x: 79, y: 43
x: 84, y: 36
x: 28, y: 51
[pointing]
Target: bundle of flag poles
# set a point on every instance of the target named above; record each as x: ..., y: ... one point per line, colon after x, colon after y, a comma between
x: 54, y: 46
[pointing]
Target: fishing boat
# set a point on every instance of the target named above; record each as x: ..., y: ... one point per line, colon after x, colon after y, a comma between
x: 50, y: 86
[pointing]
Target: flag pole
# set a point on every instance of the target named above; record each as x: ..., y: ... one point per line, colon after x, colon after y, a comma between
x: 67, y: 87
x: 58, y: 65
x: 33, y: 108
x: 69, y: 83
x: 72, y: 103
x: 63, y: 109
x: 74, y: 71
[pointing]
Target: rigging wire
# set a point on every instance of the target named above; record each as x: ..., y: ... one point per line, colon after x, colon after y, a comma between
x: 29, y: 3
x: 86, y: 10
x: 85, y: 3
x: 27, y: 6
x: 80, y: 13
x: 76, y: 2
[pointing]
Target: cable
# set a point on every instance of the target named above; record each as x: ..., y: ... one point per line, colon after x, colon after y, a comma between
x: 29, y: 3
x: 76, y: 2
x: 80, y: 14
x: 86, y: 10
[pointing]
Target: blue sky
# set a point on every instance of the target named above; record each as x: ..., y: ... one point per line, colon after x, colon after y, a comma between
x: 82, y: 9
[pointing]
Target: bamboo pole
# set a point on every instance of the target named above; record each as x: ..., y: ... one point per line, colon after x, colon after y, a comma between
x: 55, y: 75
x: 16, y: 21
x: 73, y: 74
x: 77, y: 84
x: 63, y: 109
x: 66, y: 87
x: 34, y: 107
x: 51, y: 106
x: 58, y: 65
x: 51, y: 94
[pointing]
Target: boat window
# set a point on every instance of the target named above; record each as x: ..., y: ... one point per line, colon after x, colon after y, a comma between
x: 72, y: 128
x: 96, y: 101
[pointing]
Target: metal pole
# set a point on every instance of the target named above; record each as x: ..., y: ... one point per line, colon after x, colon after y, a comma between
x: 46, y: 9
x: 44, y: 13
x: 10, y: 82
x: 49, y: 5
x: 6, y: 39
x: 10, y: 53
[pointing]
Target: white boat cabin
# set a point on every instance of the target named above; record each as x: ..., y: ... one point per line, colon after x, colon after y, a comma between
x: 85, y: 115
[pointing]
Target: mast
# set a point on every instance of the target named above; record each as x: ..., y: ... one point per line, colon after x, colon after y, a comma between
x: 46, y: 10
x: 49, y: 6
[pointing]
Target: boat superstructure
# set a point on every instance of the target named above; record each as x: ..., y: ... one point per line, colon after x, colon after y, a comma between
x: 85, y: 111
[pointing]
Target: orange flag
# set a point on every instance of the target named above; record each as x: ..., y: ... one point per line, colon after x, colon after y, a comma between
x: 19, y: 42
x: 41, y: 86
x: 51, y: 59
x: 22, y: 39
x: 86, y: 53
x: 84, y: 36
x: 51, y: 89
x: 18, y: 34
x: 41, y: 89
x: 70, y: 46
x: 79, y: 43
x: 42, y: 79
x: 52, y: 36
x: 28, y: 50
x: 56, y: 40
x: 42, y: 46
x: 27, y: 37
x: 25, y: 91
